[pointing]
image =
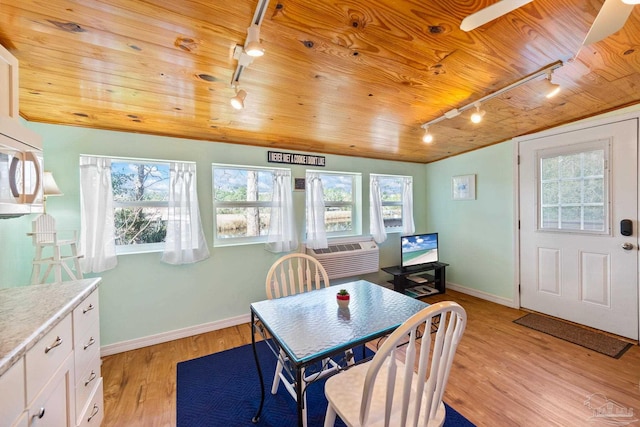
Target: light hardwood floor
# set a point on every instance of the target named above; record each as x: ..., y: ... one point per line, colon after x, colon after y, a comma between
x: 503, y: 374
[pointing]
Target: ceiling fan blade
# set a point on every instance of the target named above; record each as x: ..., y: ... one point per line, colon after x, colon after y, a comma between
x: 490, y: 13
x: 611, y: 18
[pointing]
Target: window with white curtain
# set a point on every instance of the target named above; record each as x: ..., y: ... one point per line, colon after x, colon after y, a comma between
x: 140, y: 203
x: 242, y: 197
x: 391, y: 193
x: 342, y: 202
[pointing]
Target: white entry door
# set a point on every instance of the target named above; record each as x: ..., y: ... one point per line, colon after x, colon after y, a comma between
x: 576, y: 186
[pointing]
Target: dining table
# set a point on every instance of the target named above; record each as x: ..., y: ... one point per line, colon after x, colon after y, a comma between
x: 309, y: 327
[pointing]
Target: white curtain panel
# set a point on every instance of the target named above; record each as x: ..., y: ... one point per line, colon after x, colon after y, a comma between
x: 408, y: 226
x: 97, y: 233
x: 316, y: 234
x: 282, y: 225
x: 376, y: 221
x: 185, y: 242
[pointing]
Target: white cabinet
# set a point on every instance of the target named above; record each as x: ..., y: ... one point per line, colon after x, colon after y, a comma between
x: 12, y: 391
x: 8, y: 85
x: 88, y: 387
x: 58, y: 382
x: 53, y: 406
x: 11, y: 130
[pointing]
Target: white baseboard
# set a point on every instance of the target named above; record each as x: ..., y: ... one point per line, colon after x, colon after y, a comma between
x: 137, y: 343
x: 482, y: 295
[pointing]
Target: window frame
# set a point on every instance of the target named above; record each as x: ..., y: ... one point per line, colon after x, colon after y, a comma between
x: 542, y: 154
x: 399, y: 228
x: 355, y: 204
x: 142, y: 247
x: 236, y: 241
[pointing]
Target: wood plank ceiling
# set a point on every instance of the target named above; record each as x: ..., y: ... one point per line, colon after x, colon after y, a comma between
x: 351, y: 77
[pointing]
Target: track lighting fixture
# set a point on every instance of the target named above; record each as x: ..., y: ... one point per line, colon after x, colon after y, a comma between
x: 477, y: 116
x: 237, y: 101
x: 552, y: 89
x: 427, y: 137
x: 252, y: 46
x: 245, y: 54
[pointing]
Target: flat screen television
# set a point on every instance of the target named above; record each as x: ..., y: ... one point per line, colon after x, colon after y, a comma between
x: 418, y: 249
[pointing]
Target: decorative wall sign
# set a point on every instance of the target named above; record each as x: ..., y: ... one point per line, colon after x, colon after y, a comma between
x: 295, y: 159
x: 464, y: 187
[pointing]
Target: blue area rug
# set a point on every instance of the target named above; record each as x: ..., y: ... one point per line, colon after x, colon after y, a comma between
x: 223, y: 390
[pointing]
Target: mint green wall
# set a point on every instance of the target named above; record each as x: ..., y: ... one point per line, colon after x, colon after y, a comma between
x: 476, y: 236
x: 143, y: 297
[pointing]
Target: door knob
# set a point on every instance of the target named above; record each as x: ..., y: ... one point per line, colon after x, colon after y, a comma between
x: 627, y: 246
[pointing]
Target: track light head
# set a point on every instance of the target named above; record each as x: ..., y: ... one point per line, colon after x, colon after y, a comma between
x: 237, y: 101
x: 551, y: 89
x: 477, y: 116
x: 252, y: 46
x: 427, y: 137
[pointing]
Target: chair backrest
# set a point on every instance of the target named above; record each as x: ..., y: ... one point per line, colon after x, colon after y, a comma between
x: 430, y: 338
x: 294, y: 274
x: 44, y: 229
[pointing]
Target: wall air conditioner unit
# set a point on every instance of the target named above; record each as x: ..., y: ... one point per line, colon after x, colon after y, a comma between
x: 348, y: 257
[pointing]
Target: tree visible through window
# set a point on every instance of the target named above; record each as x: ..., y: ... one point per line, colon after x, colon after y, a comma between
x: 242, y: 203
x: 140, y: 196
x: 341, y: 193
x: 391, y: 190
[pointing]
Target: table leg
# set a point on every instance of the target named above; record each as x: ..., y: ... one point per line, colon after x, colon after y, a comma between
x: 300, y: 394
x: 256, y: 418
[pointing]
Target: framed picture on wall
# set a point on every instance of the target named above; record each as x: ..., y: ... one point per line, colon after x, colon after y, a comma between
x: 463, y: 187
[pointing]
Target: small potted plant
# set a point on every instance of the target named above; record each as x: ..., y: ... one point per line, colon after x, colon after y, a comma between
x: 343, y: 298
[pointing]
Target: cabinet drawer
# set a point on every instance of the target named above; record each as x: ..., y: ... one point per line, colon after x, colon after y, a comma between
x: 85, y: 315
x: 87, y: 347
x: 93, y: 413
x: 43, y: 359
x: 12, y: 394
x: 86, y: 383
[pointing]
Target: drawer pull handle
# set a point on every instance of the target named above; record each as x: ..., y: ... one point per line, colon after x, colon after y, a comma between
x: 55, y: 344
x: 40, y: 414
x: 89, y: 308
x: 94, y: 412
x: 90, y: 343
x: 92, y: 377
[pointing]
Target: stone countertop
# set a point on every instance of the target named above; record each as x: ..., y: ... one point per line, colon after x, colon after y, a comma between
x: 27, y: 313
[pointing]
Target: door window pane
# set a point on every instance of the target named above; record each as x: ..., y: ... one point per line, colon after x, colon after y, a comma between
x: 573, y: 188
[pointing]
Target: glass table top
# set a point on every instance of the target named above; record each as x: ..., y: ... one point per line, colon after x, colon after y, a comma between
x: 311, y: 325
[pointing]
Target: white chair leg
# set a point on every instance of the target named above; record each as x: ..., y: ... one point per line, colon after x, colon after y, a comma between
x: 35, y: 272
x: 330, y: 416
x: 276, y: 376
x: 76, y: 261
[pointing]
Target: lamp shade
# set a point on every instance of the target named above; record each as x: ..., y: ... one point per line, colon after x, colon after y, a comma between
x: 253, y: 46
x: 49, y: 186
x: 237, y: 101
x: 552, y: 89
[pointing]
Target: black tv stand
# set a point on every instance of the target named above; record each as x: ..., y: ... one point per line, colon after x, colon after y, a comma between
x: 424, y: 280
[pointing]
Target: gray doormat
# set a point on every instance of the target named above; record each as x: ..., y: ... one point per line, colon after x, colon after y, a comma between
x: 587, y: 338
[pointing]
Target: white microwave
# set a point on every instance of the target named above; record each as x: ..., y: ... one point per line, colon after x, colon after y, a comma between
x: 20, y: 181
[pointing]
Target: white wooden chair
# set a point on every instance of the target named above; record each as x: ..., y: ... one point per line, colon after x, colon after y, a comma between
x: 293, y: 274
x: 387, y: 391
x: 44, y: 236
